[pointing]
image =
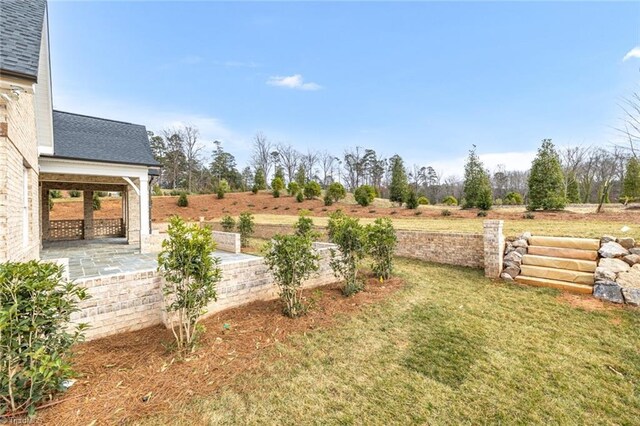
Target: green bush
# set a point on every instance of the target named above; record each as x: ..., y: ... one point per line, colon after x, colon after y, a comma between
x: 157, y: 190
x: 183, y: 201
x: 351, y: 238
x: 445, y: 212
x: 364, y: 195
x: 277, y: 185
x: 101, y: 194
x: 328, y: 201
x: 260, y: 180
x: 254, y: 189
x: 528, y: 215
x: 498, y: 202
x: 228, y: 223
x: 36, y: 334
x: 381, y: 245
x: 312, y: 190
x: 423, y: 201
x: 74, y: 193
x: 513, y: 199
x: 54, y: 193
x: 223, y: 188
x: 299, y: 197
x: 96, y: 204
x: 450, y: 200
x: 304, y: 225
x: 412, y: 200
x: 293, y: 188
x: 191, y: 273
x: 335, y: 192
x: 177, y: 192
x: 291, y: 260
x: 245, y: 228
x: 482, y: 213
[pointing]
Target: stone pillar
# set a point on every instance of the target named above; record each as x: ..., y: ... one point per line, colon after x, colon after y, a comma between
x: 44, y: 202
x: 133, y: 215
x: 493, y: 248
x: 87, y: 202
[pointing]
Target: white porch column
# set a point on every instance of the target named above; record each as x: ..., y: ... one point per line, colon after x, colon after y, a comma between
x: 144, y: 205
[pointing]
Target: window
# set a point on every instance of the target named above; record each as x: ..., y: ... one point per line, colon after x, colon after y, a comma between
x: 25, y: 206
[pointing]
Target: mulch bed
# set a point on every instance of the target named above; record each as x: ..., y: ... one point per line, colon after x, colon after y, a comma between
x: 132, y: 375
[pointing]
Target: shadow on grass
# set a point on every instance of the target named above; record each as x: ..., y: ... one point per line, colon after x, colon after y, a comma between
x: 440, y: 349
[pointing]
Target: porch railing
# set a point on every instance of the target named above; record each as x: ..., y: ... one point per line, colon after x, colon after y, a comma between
x: 60, y: 230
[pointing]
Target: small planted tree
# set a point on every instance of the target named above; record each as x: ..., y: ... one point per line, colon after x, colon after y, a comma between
x: 223, y: 188
x: 36, y: 335
x: 259, y: 180
x: 477, y: 186
x: 351, y: 239
x: 450, y: 200
x: 381, y: 244
x: 183, y: 201
x: 336, y: 192
x: 304, y: 225
x: 412, y: 200
x: 293, y: 188
x: 96, y: 203
x: 399, y: 183
x: 513, y: 199
x: 364, y: 195
x: 292, y: 260
x: 277, y: 185
x: 191, y: 273
x: 631, y: 181
x: 245, y: 228
x: 312, y: 190
x: 228, y: 223
x: 546, y: 180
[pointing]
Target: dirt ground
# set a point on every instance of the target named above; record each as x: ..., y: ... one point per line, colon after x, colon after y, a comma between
x: 233, y: 204
x: 132, y: 375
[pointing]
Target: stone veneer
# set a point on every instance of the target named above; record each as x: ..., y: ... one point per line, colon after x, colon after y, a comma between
x: 127, y: 302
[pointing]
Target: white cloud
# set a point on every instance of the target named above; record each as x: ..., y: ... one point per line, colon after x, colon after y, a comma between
x: 633, y: 53
x: 293, y: 82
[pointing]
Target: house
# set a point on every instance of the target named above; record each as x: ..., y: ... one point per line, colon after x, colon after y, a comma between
x: 42, y: 149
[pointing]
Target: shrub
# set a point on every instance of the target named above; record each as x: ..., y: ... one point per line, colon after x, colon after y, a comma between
x: 381, y: 244
x: 190, y: 273
x: 54, y: 193
x: 351, y: 239
x: 228, y: 223
x: 498, y: 202
x: 364, y: 195
x: 513, y: 198
x: 291, y: 260
x: 299, y: 197
x: 450, y: 200
x: 260, y: 180
x: 277, y: 185
x: 157, y: 190
x: 423, y: 201
x: 293, y: 188
x: 223, y: 188
x: 96, y: 204
x: 254, y: 189
x: 304, y: 225
x: 445, y: 212
x: 102, y: 194
x: 74, y: 193
x: 312, y: 189
x: 245, y: 227
x: 183, y: 201
x: 528, y: 215
x: 177, y: 192
x: 328, y: 201
x: 412, y: 200
x: 335, y: 192
x: 482, y: 213
x: 36, y: 335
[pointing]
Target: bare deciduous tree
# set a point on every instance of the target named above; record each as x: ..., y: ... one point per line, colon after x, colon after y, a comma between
x: 261, y: 158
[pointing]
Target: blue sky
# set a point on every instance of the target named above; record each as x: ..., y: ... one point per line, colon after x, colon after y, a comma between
x: 424, y: 80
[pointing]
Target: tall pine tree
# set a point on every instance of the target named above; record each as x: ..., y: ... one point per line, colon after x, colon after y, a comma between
x: 477, y: 187
x: 399, y: 183
x: 573, y: 189
x: 631, y: 182
x: 546, y: 181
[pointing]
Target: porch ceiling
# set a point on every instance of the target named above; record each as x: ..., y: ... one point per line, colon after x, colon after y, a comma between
x: 82, y: 182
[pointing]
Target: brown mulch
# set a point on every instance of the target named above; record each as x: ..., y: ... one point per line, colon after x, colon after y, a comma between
x: 132, y: 375
x: 210, y: 207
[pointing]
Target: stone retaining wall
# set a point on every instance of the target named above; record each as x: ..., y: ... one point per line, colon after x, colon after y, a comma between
x: 133, y: 301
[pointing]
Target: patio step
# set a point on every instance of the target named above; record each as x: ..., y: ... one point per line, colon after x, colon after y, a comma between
x: 566, y: 242
x: 566, y: 253
x: 560, y: 263
x: 575, y: 277
x: 561, y: 285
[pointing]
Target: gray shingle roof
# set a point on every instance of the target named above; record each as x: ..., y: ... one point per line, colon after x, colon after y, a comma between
x: 97, y: 139
x: 21, y: 23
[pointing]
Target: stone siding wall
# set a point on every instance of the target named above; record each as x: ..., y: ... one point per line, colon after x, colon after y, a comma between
x: 18, y: 150
x: 128, y: 302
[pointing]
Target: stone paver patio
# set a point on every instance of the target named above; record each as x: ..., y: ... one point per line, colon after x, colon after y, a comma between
x: 108, y: 256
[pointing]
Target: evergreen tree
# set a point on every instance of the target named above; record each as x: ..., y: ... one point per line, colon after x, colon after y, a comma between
x: 573, y: 189
x: 259, y: 180
x: 279, y: 173
x: 631, y: 182
x: 546, y: 181
x: 477, y: 186
x: 399, y: 182
x: 301, y: 176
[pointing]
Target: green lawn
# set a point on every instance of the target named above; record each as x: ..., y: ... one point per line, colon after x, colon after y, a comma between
x: 450, y: 348
x: 575, y: 228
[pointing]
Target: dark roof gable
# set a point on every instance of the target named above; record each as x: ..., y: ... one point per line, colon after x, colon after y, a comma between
x: 21, y: 24
x: 82, y: 137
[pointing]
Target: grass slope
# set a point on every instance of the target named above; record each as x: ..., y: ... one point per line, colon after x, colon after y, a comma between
x: 450, y: 348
